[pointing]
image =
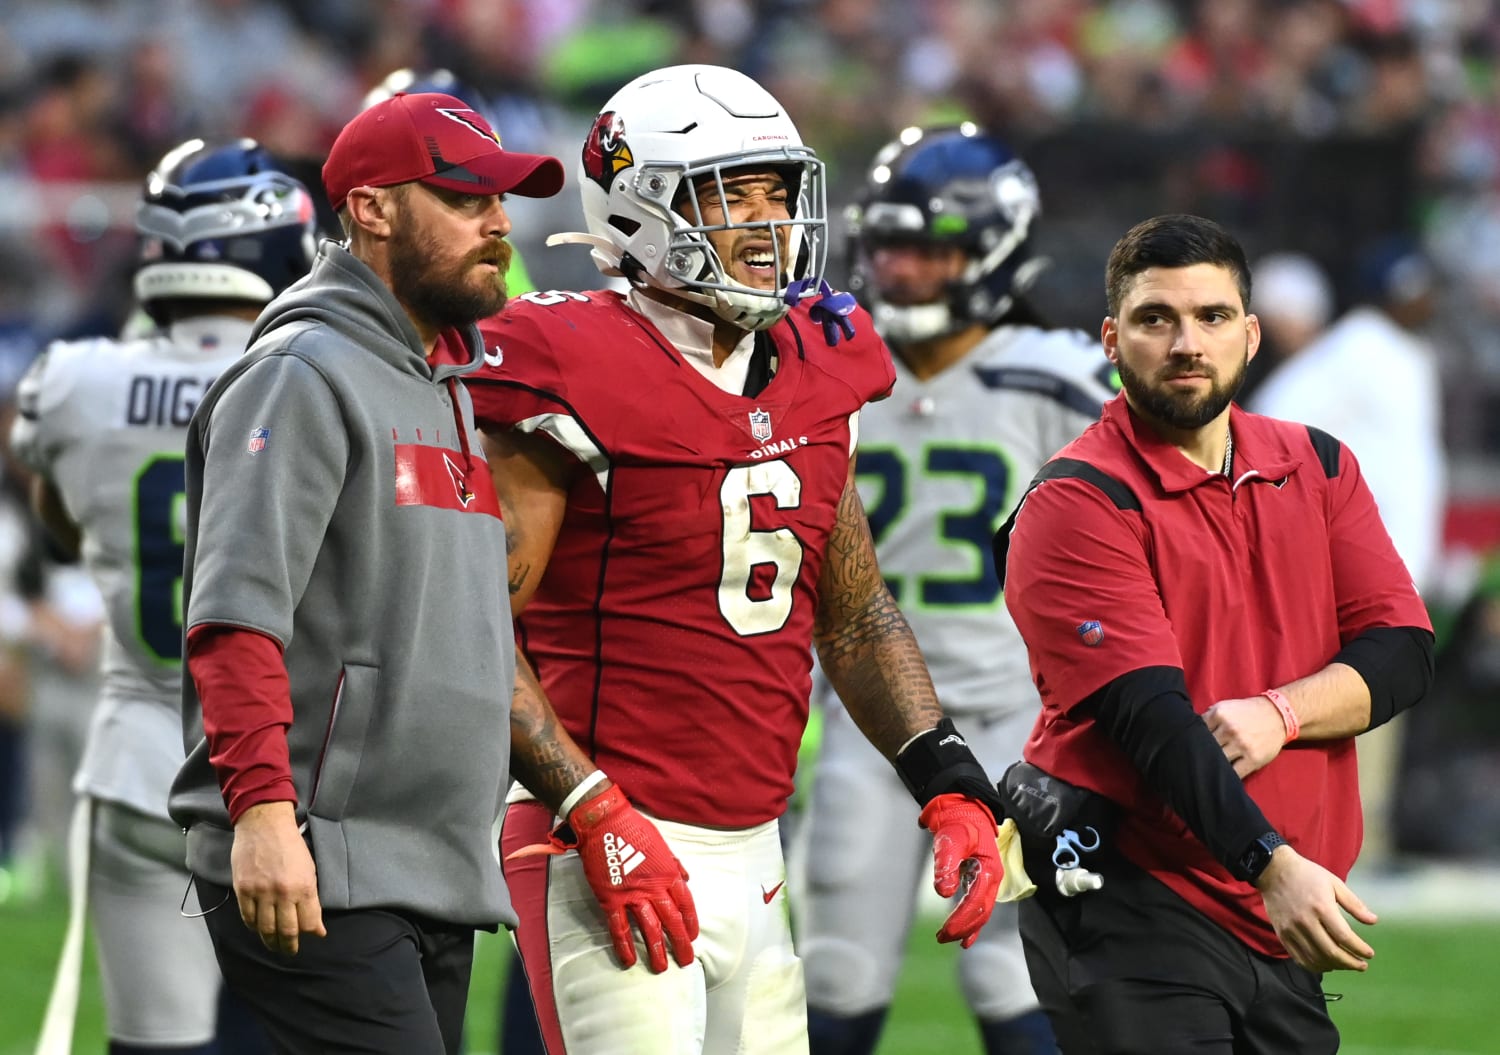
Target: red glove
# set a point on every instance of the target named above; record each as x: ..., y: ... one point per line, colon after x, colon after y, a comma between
x: 633, y: 873
x: 963, y: 848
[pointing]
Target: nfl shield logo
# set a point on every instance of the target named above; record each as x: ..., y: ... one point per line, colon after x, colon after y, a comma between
x: 760, y: 425
x: 258, y: 440
x: 1092, y: 632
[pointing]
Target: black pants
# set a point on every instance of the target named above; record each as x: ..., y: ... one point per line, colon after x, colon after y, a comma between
x: 1132, y: 969
x: 381, y: 983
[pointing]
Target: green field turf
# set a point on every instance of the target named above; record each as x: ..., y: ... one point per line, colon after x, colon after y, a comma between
x: 1429, y: 991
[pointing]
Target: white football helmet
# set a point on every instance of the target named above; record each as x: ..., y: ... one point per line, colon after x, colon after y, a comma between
x: 687, y: 123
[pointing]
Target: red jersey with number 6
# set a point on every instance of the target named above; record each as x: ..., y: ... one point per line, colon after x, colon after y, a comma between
x: 673, y: 627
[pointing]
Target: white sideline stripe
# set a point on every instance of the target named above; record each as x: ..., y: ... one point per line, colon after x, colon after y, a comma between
x: 1431, y: 892
x: 62, y: 1006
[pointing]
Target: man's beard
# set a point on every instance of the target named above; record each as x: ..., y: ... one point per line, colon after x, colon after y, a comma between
x: 1181, y: 409
x: 445, y: 297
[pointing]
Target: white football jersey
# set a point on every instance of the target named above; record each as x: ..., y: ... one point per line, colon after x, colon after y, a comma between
x: 941, y: 464
x: 106, y: 422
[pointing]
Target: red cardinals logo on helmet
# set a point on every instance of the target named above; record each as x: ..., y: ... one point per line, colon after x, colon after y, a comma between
x: 605, y: 151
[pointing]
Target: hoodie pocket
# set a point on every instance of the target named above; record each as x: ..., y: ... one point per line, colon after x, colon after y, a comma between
x: 344, y: 745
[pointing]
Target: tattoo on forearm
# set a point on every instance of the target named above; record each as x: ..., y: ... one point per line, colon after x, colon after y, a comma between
x: 850, y: 572
x: 864, y: 643
x: 519, y: 573
x: 543, y: 757
x: 873, y: 661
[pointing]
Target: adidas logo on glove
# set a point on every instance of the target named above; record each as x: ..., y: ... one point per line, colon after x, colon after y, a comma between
x: 620, y: 858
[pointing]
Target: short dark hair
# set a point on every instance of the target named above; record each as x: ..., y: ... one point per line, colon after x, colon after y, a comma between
x: 1174, y: 240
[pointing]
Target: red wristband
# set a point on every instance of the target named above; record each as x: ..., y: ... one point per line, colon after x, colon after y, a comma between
x: 1288, y: 716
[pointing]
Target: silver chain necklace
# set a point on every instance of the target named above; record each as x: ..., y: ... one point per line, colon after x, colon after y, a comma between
x: 1228, y: 453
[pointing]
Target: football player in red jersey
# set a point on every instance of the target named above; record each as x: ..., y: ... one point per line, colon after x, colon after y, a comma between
x: 674, y: 465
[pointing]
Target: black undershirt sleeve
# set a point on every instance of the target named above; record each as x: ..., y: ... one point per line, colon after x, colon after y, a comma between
x: 1396, y: 663
x: 1148, y: 714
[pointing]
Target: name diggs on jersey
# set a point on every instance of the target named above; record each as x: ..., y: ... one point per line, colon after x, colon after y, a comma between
x: 770, y: 450
x: 164, y: 400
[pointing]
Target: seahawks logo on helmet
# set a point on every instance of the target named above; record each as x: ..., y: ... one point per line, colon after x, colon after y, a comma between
x: 605, y: 152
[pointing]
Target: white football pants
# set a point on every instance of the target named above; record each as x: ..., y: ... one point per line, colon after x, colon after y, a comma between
x: 742, y: 995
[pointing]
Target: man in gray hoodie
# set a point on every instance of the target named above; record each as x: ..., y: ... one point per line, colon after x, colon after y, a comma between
x: 346, y: 716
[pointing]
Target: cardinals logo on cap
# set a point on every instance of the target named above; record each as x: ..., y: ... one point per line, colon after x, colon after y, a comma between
x: 605, y: 151
x: 478, y: 129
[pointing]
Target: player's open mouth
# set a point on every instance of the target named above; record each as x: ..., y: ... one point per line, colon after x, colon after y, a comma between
x: 759, y: 266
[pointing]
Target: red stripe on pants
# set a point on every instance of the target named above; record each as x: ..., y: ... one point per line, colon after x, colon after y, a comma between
x: 526, y: 824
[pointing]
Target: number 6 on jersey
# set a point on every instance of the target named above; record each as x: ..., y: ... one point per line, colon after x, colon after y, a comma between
x: 760, y: 566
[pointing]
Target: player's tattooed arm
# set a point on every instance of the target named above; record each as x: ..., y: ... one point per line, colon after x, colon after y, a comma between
x: 532, y: 476
x: 543, y: 757
x: 865, y: 646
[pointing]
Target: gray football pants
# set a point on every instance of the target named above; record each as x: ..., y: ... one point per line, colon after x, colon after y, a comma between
x: 867, y: 861
x: 161, y: 981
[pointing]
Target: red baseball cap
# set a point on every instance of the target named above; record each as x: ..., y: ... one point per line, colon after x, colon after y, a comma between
x: 438, y: 140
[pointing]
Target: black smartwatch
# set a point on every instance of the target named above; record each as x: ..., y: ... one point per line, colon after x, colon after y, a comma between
x: 1257, y: 856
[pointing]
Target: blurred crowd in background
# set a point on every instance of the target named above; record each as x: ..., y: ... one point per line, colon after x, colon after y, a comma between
x: 1360, y: 137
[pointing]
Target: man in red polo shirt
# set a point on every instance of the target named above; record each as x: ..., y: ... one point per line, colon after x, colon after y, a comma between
x: 1213, y: 611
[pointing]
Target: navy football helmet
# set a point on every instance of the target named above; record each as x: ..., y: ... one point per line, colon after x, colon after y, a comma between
x: 222, y: 222
x: 946, y: 186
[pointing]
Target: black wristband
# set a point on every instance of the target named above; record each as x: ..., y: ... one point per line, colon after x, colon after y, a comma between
x: 939, y: 762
